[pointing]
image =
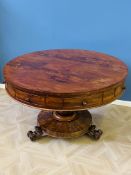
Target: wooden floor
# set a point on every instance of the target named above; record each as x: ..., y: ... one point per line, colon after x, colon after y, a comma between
x: 111, y: 155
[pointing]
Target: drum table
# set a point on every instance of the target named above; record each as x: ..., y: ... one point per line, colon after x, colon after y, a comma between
x: 64, y: 84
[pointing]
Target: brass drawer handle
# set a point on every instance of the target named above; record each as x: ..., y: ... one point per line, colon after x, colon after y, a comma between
x: 84, y: 103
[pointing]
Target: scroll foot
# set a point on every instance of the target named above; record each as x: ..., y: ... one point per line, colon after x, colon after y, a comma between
x: 37, y: 134
x: 94, y: 133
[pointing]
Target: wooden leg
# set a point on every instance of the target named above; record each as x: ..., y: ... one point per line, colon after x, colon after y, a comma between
x: 64, y: 124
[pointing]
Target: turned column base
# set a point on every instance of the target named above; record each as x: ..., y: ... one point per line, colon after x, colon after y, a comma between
x: 65, y: 124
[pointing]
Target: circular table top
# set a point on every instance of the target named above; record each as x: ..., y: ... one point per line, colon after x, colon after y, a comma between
x: 65, y: 73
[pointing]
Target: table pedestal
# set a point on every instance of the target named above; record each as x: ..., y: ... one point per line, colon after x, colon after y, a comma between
x: 64, y: 124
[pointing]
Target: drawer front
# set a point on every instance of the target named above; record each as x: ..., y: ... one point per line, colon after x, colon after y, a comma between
x: 93, y: 99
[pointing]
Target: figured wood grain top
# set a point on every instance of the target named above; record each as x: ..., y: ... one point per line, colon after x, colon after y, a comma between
x: 64, y: 71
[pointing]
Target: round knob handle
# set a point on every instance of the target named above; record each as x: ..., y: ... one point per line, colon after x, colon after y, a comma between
x: 123, y: 87
x: 84, y: 103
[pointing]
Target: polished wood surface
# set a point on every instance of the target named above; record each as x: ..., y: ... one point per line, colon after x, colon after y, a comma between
x: 65, y: 79
x: 64, y: 71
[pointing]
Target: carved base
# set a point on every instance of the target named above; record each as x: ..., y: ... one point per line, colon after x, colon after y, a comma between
x: 37, y: 134
x: 94, y: 133
x: 66, y: 124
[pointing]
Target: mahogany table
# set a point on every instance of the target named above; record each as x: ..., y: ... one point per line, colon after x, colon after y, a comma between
x: 64, y: 84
